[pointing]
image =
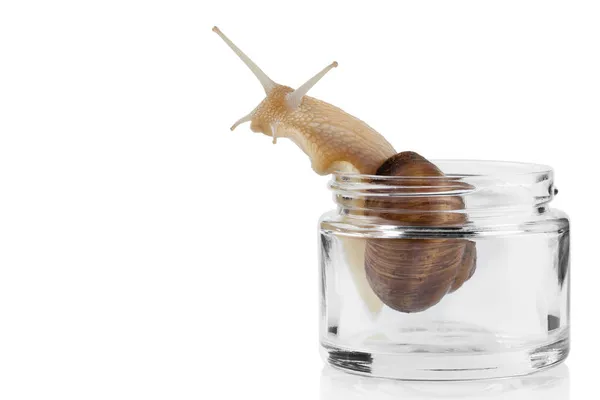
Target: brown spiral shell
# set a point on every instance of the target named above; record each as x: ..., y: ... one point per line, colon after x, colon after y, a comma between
x: 412, y: 275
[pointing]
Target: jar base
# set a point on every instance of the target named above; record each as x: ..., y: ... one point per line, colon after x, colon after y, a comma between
x: 448, y: 366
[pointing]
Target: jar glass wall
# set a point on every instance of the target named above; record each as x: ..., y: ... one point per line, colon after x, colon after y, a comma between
x: 475, y: 289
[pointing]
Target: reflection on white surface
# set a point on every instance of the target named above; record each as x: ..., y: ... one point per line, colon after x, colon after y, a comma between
x: 552, y: 384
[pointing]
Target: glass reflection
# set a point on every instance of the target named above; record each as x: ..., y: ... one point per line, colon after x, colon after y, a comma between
x: 552, y: 384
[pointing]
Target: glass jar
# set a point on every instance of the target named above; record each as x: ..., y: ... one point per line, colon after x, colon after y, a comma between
x: 458, y: 277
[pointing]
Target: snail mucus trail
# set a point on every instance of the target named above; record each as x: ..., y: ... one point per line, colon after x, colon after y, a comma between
x: 408, y: 275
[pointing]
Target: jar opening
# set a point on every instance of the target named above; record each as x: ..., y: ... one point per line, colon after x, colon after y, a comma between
x: 480, y: 185
x: 472, y: 169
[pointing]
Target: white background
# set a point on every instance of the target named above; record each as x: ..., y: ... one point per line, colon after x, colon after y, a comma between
x: 148, y: 252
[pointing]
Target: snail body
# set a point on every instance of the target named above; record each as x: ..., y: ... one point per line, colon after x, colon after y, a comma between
x: 333, y: 139
x: 408, y: 275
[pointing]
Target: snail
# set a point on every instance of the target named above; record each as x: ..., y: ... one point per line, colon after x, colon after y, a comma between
x: 408, y: 275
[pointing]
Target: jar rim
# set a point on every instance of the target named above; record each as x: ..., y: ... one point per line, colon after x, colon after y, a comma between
x: 453, y: 168
x: 481, y: 183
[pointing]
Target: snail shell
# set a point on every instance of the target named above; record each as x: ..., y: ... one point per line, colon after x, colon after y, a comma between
x: 411, y: 275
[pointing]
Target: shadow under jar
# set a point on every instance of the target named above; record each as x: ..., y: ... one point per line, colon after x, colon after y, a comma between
x: 461, y: 276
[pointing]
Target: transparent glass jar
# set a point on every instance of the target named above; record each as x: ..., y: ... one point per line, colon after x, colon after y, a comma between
x: 484, y: 293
